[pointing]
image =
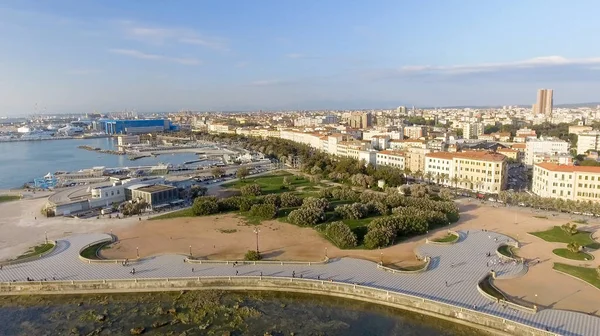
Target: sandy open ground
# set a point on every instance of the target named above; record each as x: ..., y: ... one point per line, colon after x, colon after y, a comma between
x: 228, y: 237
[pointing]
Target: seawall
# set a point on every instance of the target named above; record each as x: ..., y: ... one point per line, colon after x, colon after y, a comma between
x: 490, y: 323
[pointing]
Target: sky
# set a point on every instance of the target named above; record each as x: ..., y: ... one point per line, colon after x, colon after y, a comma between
x: 77, y: 56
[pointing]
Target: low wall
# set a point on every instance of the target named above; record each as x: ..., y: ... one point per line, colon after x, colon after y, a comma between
x: 507, y: 258
x: 392, y: 270
x: 34, y: 257
x: 112, y: 239
x: 490, y: 323
x: 488, y: 278
x: 428, y: 241
x: 257, y: 262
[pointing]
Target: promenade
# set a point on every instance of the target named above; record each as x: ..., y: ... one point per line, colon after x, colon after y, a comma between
x: 451, y: 278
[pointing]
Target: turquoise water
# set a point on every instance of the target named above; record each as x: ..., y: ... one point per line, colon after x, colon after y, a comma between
x: 22, y: 161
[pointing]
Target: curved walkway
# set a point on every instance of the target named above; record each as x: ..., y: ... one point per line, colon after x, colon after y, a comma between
x: 452, y: 277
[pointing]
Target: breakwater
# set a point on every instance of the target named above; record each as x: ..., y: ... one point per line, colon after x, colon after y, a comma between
x: 100, y: 150
x: 471, y: 317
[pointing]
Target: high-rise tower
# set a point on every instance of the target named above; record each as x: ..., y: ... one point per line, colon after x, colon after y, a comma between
x: 545, y: 102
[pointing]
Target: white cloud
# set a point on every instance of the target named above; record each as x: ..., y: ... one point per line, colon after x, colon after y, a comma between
x: 538, y: 62
x: 162, y: 35
x: 142, y: 55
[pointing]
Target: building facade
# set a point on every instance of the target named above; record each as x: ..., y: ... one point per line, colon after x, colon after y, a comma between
x: 136, y: 126
x: 551, y: 146
x: 587, y: 141
x: 544, y: 103
x: 568, y: 182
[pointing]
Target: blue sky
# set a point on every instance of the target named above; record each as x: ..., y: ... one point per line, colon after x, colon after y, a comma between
x: 81, y: 56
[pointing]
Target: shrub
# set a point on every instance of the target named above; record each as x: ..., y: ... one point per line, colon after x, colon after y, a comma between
x: 378, y: 207
x: 380, y: 236
x: 306, y: 216
x: 252, y: 255
x: 574, y: 247
x: 272, y: 199
x: 313, y: 202
x: 289, y: 200
x: 569, y: 228
x: 341, y: 235
x: 345, y: 194
x: 251, y: 190
x: 446, y: 194
x: 205, y: 206
x: 324, y: 193
x: 352, y: 211
x: 263, y: 211
x: 229, y: 203
x: 419, y: 190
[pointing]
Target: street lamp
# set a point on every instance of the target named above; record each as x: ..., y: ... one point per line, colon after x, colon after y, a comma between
x: 381, y: 259
x: 190, y: 250
x: 325, y: 252
x: 46, y: 234
x: 257, y: 231
x: 137, y: 252
x: 536, y: 301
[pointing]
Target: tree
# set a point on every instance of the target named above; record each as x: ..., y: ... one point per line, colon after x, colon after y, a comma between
x: 574, y: 247
x: 251, y: 190
x: 289, y: 200
x: 379, y: 237
x: 352, y: 211
x: 419, y: 190
x: 446, y: 194
x: 569, y: 228
x: 341, y: 235
x: 263, y: 211
x: 252, y: 255
x: 205, y: 206
x: 306, y: 216
x: 454, y: 180
x: 197, y: 190
x: 218, y: 172
x: 242, y: 172
x: 272, y: 199
x: 286, y: 181
x: 313, y: 202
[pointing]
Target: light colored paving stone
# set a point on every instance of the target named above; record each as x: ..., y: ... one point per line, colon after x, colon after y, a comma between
x: 452, y: 276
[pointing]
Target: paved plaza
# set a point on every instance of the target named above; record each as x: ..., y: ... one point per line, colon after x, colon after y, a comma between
x: 452, y: 276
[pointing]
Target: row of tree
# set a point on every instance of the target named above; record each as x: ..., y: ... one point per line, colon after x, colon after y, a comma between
x: 556, y: 204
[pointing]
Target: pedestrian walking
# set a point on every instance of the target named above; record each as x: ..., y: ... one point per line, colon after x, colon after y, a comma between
x: 237, y: 272
x: 192, y: 270
x: 446, y: 283
x: 318, y: 277
x: 293, y: 274
x: 301, y: 276
x: 261, y: 273
x: 0, y: 267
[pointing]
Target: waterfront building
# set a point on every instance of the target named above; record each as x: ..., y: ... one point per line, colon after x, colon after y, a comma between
x: 45, y: 182
x: 156, y: 196
x: 480, y: 171
x: 136, y: 126
x: 126, y: 140
x: 569, y: 182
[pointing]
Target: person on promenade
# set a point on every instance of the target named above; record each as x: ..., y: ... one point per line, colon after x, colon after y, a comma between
x: 0, y: 267
x: 133, y: 271
x: 237, y: 272
x: 319, y: 277
x: 192, y: 270
x: 293, y: 274
x: 261, y: 273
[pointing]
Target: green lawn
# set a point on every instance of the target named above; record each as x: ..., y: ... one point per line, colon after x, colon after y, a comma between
x: 448, y: 238
x: 589, y: 275
x: 92, y: 251
x: 176, y: 214
x: 8, y: 198
x: 566, y: 253
x: 558, y: 235
x: 36, y: 250
x: 508, y: 251
x: 272, y: 183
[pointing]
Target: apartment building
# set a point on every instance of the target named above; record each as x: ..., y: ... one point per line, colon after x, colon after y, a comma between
x: 415, y: 158
x: 589, y: 140
x: 511, y: 153
x: 543, y: 145
x: 576, y: 129
x: 311, y: 139
x: 472, y: 130
x: 481, y: 171
x: 391, y: 158
x: 569, y: 182
x: 415, y: 132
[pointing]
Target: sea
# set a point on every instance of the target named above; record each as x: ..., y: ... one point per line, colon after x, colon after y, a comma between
x: 213, y: 313
x: 22, y: 161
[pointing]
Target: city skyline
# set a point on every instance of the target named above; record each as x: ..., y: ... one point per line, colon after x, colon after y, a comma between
x: 113, y: 56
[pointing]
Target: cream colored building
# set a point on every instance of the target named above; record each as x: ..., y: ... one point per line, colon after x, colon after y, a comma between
x: 391, y: 158
x: 480, y: 171
x: 578, y: 183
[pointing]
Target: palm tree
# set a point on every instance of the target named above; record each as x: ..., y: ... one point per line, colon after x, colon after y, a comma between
x: 429, y: 176
x: 455, y: 180
x: 418, y: 175
x: 479, y: 185
x: 444, y: 179
x: 574, y: 247
x: 468, y: 183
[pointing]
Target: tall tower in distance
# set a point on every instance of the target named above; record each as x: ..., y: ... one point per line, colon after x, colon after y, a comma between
x: 545, y: 102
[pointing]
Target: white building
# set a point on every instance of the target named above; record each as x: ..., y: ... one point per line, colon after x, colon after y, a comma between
x: 549, y: 145
x: 588, y: 141
x: 391, y: 158
x: 125, y: 140
x: 472, y: 130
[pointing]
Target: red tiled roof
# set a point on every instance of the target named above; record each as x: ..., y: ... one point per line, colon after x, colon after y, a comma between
x: 568, y: 168
x: 473, y: 155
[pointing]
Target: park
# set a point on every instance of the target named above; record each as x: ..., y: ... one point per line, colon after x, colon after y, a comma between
x: 416, y: 236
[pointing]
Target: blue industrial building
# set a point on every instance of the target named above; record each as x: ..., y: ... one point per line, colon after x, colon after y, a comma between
x: 135, y: 126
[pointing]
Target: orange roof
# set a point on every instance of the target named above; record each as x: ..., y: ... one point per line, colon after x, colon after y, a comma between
x: 507, y: 150
x: 568, y: 168
x: 519, y: 145
x: 473, y: 155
